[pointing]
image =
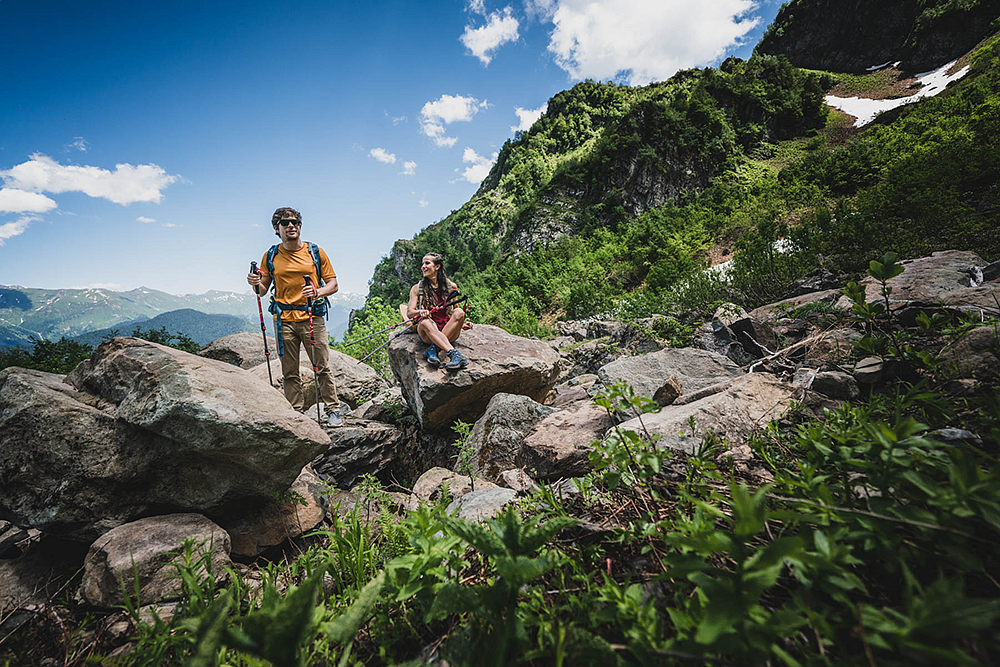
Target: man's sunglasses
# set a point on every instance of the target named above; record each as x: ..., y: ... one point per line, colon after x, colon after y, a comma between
x: 285, y: 223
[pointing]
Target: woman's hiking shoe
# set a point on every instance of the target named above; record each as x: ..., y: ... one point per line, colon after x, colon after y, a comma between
x: 455, y: 360
x: 431, y: 355
x: 334, y: 419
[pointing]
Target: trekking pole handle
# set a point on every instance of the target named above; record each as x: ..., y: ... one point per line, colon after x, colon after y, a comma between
x: 253, y: 269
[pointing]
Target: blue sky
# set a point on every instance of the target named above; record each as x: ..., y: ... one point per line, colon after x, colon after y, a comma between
x: 149, y: 143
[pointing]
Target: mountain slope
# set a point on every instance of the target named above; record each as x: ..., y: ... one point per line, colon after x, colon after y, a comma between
x: 853, y: 35
x: 606, y: 159
x: 617, y: 195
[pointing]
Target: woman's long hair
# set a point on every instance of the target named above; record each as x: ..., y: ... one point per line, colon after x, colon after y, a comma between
x: 442, y: 278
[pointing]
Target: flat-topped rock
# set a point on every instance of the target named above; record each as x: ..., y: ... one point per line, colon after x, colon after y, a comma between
x: 498, y: 363
x: 745, y: 405
x: 691, y: 369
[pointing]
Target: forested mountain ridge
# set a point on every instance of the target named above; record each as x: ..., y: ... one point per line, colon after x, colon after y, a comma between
x: 28, y: 313
x: 854, y: 35
x: 617, y: 194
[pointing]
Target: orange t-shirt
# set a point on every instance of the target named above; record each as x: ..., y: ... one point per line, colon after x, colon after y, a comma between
x: 289, y: 271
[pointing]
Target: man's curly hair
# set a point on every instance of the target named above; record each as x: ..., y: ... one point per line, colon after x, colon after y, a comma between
x: 285, y: 212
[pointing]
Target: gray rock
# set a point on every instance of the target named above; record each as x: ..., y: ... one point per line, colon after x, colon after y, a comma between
x: 388, y: 406
x: 693, y: 369
x: 356, y: 382
x: 518, y: 480
x: 868, y: 370
x: 243, y: 349
x: 358, y: 448
x: 559, y: 445
x: 718, y: 338
x: 498, y: 363
x: 498, y: 436
x: 745, y: 406
x: 301, y: 508
x: 481, y: 505
x: 973, y: 355
x: 148, y: 548
x: 429, y: 486
x: 935, y: 282
x: 836, y: 384
x: 143, y: 428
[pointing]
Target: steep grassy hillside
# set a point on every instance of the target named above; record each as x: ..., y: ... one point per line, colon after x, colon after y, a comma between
x: 584, y: 206
x: 617, y: 195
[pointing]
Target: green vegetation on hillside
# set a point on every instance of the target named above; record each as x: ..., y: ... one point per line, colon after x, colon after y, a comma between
x: 587, y: 162
x: 923, y: 179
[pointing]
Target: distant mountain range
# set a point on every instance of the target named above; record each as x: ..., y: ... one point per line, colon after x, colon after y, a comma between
x: 27, y: 313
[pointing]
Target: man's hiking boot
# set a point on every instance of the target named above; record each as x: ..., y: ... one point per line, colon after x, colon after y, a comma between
x: 431, y: 355
x: 455, y: 360
x: 334, y: 419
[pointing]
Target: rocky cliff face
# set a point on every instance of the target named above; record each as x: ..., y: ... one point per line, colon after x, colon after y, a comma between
x: 853, y: 35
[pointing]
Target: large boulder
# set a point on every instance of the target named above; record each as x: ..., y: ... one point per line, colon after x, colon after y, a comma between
x: 360, y: 447
x: 498, y: 436
x: 139, y: 429
x: 356, y: 382
x: 243, y: 349
x: 149, y: 549
x: 942, y: 280
x: 649, y: 373
x: 498, y: 363
x: 974, y: 355
x: 739, y: 408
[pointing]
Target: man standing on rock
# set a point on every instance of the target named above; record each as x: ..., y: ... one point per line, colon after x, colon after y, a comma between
x: 301, y: 272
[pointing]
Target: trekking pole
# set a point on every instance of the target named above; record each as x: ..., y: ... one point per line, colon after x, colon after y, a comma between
x: 263, y: 329
x: 312, y: 338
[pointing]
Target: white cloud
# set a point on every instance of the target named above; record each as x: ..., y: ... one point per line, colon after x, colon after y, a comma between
x: 480, y: 165
x: 477, y: 7
x: 383, y: 155
x: 423, y: 203
x: 145, y: 220
x: 169, y: 224
x: 13, y: 200
x: 12, y: 229
x: 527, y: 117
x: 409, y: 168
x: 396, y: 120
x: 127, y: 184
x: 79, y: 143
x: 500, y: 28
x: 444, y: 110
x: 645, y: 40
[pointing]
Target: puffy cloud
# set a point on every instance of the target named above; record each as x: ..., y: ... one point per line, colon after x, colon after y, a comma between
x: 383, y: 155
x: 500, y: 28
x: 145, y: 220
x: 12, y: 229
x: 169, y: 224
x: 480, y: 165
x: 646, y: 40
x: 127, y: 184
x: 13, y: 200
x: 527, y: 117
x: 409, y: 168
x: 423, y: 203
x: 444, y: 110
x: 476, y: 7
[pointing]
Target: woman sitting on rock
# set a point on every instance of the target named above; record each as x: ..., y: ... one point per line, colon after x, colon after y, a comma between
x: 438, y: 328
